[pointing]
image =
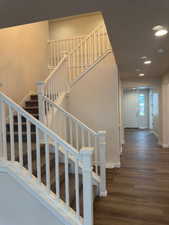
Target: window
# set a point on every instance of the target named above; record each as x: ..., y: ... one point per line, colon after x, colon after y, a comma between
x: 141, y: 104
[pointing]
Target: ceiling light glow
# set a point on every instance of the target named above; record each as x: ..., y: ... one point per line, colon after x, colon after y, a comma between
x: 141, y: 75
x: 147, y: 62
x: 160, y: 31
x: 144, y: 57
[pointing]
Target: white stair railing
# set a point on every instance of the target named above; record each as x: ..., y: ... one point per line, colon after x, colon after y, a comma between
x: 14, y: 149
x: 58, y: 48
x: 88, y: 52
x: 78, y: 135
x: 57, y: 82
x: 77, y: 61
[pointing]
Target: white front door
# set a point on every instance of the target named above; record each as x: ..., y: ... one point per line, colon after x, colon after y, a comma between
x: 130, y: 109
x: 143, y: 112
x: 136, y: 109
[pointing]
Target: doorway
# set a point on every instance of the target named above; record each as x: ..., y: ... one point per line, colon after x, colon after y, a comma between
x: 136, y: 108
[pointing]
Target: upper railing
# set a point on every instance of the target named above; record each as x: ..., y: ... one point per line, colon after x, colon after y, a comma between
x: 88, y: 51
x: 26, y: 136
x: 75, y: 62
x: 58, y: 48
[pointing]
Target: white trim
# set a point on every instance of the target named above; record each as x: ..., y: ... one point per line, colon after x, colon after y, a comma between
x: 91, y: 67
x: 155, y: 133
x: 103, y: 194
x: 113, y: 165
x: 163, y: 145
x: 39, y: 191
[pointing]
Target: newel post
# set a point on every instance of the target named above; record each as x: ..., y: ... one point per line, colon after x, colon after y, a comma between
x: 102, y: 162
x: 41, y: 92
x: 86, y: 157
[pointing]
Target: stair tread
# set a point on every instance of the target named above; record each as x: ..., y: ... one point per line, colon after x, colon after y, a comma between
x: 23, y: 133
x: 30, y: 107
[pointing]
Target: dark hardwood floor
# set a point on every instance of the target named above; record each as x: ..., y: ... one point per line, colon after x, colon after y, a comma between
x: 139, y: 190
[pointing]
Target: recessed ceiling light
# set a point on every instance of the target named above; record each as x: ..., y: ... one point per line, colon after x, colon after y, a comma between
x: 160, y: 31
x: 147, y: 62
x: 141, y: 75
x: 144, y: 57
x: 160, y: 50
x: 134, y: 88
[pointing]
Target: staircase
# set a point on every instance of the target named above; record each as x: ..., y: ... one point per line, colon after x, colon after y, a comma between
x: 58, y: 151
x: 31, y: 106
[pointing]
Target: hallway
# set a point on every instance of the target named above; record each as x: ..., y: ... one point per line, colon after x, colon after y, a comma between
x: 139, y: 190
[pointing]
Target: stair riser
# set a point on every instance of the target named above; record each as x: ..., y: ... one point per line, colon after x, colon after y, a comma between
x: 32, y: 110
x: 24, y: 138
x: 31, y: 103
x: 34, y: 97
x: 23, y: 118
x: 33, y: 129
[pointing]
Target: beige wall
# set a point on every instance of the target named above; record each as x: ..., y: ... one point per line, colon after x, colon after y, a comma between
x: 23, y: 58
x: 74, y: 26
x: 94, y: 100
x: 165, y: 111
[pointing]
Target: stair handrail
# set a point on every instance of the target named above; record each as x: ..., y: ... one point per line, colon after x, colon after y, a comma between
x: 48, y: 138
x: 78, y: 135
x: 37, y: 123
x: 69, y: 115
x: 70, y: 60
x: 56, y: 68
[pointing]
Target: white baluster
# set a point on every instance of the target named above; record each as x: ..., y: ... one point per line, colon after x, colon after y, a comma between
x: 66, y: 178
x: 47, y: 163
x: 77, y: 136
x: 29, y: 146
x: 89, y: 139
x: 57, y: 177
x: 38, y: 156
x: 82, y: 137
x: 40, y: 91
x: 3, y: 131
x: 96, y: 153
x: 86, y: 157
x: 11, y: 134
x: 20, y: 139
x: 102, y: 162
x: 77, y: 188
x: 71, y: 130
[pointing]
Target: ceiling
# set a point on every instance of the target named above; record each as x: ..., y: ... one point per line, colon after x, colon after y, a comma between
x: 129, y: 24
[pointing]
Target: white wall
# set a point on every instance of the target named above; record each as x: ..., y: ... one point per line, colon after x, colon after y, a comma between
x: 94, y: 100
x: 155, y: 110
x: 74, y: 26
x: 23, y: 58
x: 18, y: 207
x: 164, y: 111
x: 121, y: 115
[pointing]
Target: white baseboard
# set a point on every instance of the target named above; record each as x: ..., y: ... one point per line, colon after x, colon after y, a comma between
x: 155, y: 133
x: 164, y: 145
x: 113, y: 165
x: 103, y: 194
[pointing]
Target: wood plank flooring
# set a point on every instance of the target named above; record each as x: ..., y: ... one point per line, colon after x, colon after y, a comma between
x: 139, y: 190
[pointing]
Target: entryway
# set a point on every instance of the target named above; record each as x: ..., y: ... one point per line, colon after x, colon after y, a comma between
x: 141, y: 108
